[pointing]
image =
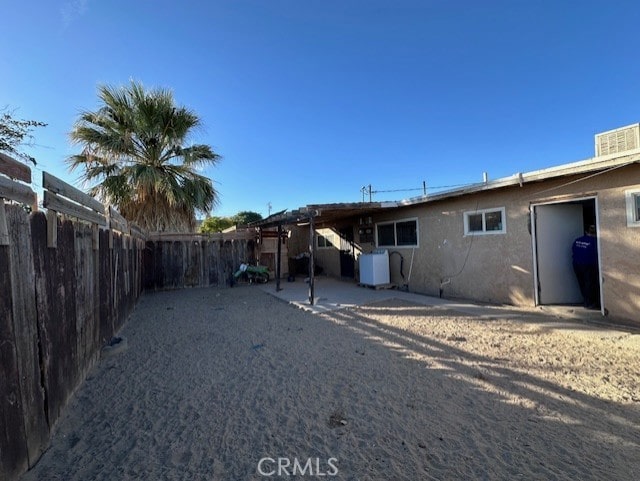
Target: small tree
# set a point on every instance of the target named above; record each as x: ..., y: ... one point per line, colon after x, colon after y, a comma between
x: 216, y: 224
x: 246, y: 217
x: 15, y: 133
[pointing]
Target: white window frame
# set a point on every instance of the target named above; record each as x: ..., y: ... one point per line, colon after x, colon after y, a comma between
x: 326, y: 237
x: 395, y: 233
x: 630, y: 199
x: 484, y: 213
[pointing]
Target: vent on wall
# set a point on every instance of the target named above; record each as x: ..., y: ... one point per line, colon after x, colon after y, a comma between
x: 618, y: 140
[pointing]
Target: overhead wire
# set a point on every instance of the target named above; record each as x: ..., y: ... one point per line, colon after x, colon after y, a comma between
x: 581, y: 179
x: 381, y: 191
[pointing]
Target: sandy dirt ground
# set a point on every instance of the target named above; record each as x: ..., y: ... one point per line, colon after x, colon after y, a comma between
x: 233, y: 384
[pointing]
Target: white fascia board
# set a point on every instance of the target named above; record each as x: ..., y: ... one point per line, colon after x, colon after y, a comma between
x: 574, y: 168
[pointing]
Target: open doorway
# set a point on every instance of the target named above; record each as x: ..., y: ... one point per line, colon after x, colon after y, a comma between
x: 347, y: 256
x: 554, y: 228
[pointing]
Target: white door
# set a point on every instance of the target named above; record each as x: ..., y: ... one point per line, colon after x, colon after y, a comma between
x: 557, y: 226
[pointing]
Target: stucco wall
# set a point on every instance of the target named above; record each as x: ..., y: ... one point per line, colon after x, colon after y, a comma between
x: 499, y: 268
x: 298, y: 240
x: 491, y: 268
x: 269, y: 254
x: 329, y: 257
x: 620, y: 245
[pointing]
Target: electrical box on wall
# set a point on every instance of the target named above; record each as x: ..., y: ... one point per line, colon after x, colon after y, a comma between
x: 365, y: 234
x: 365, y: 230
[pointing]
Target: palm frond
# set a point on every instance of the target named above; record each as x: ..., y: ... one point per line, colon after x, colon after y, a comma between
x: 134, y: 147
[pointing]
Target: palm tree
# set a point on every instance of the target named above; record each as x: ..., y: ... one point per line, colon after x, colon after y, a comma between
x: 134, y: 155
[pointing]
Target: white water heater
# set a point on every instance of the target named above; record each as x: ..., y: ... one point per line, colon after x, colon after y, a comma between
x: 374, y: 268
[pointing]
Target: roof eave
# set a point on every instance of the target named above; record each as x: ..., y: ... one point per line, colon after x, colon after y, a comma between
x: 584, y: 166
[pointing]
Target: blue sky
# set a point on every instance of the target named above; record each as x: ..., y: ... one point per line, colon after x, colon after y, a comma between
x: 307, y: 101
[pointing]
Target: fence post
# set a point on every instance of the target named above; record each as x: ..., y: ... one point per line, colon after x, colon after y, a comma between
x: 4, y: 231
x: 109, y: 227
x: 52, y: 229
x: 95, y: 236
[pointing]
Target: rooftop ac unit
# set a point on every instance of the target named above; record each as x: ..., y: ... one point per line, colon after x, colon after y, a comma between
x: 618, y: 140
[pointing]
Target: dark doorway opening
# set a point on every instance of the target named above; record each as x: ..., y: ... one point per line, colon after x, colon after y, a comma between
x: 347, y: 255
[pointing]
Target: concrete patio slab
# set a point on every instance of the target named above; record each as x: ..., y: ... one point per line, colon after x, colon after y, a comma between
x: 332, y: 294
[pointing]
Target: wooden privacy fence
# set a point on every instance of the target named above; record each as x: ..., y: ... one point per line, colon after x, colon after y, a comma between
x: 69, y: 278
x: 66, y: 286
x: 196, y: 260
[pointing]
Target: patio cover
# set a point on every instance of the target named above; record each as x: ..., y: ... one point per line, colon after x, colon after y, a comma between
x: 316, y: 215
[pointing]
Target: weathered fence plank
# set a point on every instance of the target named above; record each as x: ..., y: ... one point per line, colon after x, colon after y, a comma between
x: 13, y: 439
x: 116, y: 221
x: 105, y: 293
x: 4, y: 229
x: 59, y: 186
x: 14, y: 169
x: 56, y: 293
x: 26, y: 332
x: 66, y: 303
x: 60, y: 204
x: 58, y: 307
x: 86, y: 273
x: 225, y: 267
x: 148, y: 266
x: 200, y: 262
x: 137, y: 231
x: 18, y: 192
x: 192, y: 268
x: 175, y: 260
x: 119, y: 283
x: 213, y: 262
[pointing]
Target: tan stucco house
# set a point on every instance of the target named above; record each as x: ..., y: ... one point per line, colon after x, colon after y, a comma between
x: 502, y: 241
